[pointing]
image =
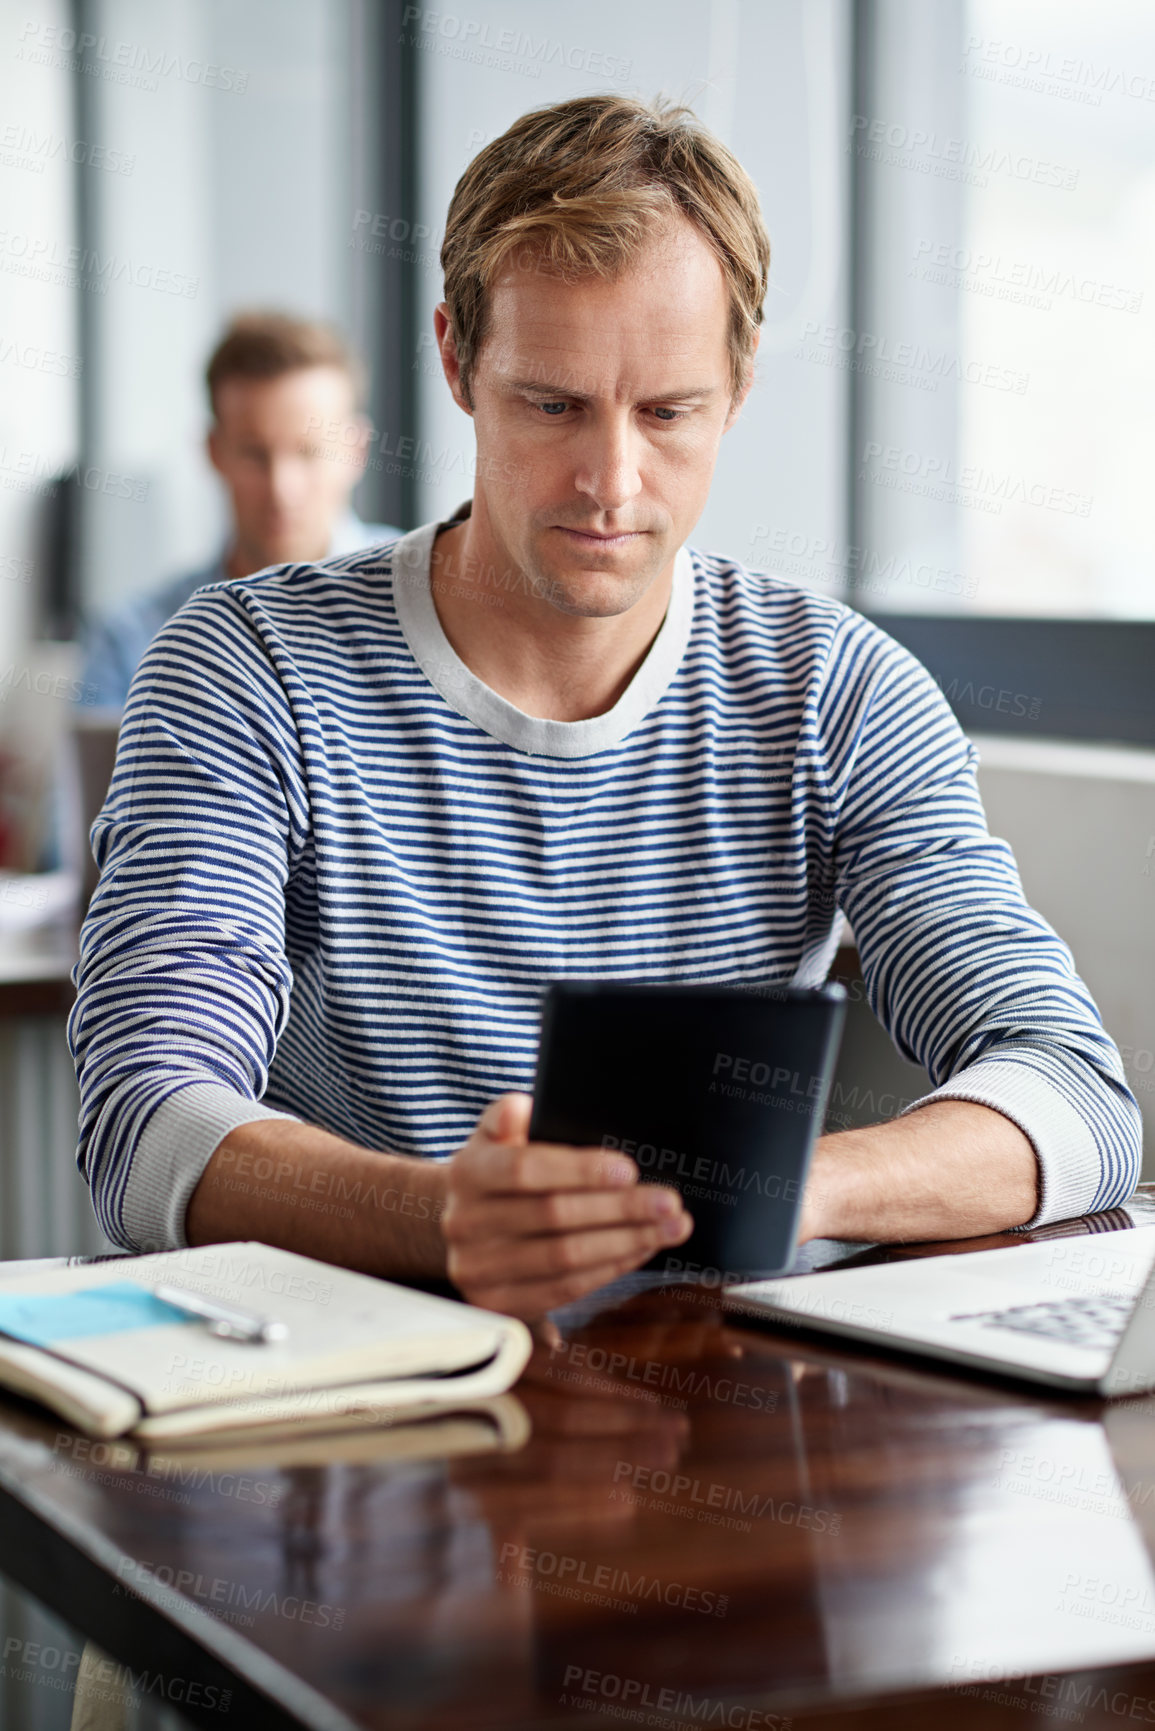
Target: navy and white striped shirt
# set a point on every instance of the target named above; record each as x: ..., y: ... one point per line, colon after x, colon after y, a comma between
x: 338, y: 870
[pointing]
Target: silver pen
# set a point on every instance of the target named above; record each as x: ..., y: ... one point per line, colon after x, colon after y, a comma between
x: 223, y: 1319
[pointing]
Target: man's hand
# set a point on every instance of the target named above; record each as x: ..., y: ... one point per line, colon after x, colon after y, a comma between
x: 532, y: 1225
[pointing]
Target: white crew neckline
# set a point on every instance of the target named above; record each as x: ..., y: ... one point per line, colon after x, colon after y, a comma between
x: 477, y: 702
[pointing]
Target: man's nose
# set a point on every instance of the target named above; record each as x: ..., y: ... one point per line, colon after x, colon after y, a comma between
x: 609, y: 469
x: 286, y: 477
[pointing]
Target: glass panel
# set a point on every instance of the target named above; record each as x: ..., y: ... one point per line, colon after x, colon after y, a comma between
x: 1008, y: 162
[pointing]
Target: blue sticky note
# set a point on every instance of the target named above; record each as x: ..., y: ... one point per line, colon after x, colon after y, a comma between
x: 43, y: 1318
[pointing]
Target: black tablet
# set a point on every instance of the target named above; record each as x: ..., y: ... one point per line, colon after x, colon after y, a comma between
x: 719, y: 1091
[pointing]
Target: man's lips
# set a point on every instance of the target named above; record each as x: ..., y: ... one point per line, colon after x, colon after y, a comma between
x: 596, y: 538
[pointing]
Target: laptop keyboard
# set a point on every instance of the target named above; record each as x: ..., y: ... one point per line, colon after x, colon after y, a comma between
x: 1096, y: 1321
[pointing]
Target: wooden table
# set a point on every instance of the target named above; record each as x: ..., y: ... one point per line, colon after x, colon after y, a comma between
x: 712, y: 1523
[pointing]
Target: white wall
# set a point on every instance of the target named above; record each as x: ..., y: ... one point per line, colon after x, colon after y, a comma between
x: 772, y: 81
x: 39, y: 358
x: 1081, y: 822
x: 39, y: 355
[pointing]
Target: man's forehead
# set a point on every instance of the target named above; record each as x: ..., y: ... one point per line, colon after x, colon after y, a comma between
x: 295, y: 383
x: 621, y: 372
x: 585, y: 330
x: 294, y: 397
x: 633, y: 363
x: 671, y: 282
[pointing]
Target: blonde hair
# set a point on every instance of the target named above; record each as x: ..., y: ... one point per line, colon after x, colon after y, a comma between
x: 582, y: 184
x: 265, y: 345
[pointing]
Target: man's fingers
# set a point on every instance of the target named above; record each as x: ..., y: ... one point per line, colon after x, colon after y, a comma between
x: 521, y: 1259
x: 558, y: 1211
x: 486, y: 1166
x: 532, y: 1225
x: 506, y: 1119
x: 500, y: 1157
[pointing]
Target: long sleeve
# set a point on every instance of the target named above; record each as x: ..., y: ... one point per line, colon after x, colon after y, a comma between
x: 299, y: 811
x: 968, y: 979
x: 183, y: 982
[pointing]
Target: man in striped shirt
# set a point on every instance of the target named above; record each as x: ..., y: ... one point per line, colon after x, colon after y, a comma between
x: 363, y: 811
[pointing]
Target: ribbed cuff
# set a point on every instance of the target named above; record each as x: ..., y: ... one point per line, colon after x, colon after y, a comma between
x: 1069, y: 1173
x: 180, y: 1139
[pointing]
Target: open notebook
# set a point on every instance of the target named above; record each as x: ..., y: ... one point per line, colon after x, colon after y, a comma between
x: 98, y: 1346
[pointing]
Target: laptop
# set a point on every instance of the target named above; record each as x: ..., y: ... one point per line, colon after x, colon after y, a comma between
x: 719, y: 1091
x: 1075, y: 1312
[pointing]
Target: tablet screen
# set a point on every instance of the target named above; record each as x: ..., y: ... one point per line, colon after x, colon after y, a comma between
x: 717, y: 1091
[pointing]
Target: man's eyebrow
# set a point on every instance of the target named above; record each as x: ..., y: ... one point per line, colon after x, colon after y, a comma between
x: 558, y: 388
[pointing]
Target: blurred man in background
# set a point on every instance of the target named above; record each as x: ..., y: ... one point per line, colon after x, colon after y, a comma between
x: 277, y: 388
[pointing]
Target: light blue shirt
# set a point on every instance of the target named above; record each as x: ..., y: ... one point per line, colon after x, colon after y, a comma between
x: 114, y: 646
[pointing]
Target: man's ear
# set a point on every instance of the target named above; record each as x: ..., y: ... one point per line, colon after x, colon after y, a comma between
x: 213, y: 447
x: 447, y: 348
x: 747, y: 385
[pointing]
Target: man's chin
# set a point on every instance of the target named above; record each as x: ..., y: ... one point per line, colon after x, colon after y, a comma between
x: 593, y: 594
x: 595, y: 584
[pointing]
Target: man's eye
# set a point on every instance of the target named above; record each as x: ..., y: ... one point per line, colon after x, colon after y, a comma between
x: 554, y: 409
x: 664, y: 414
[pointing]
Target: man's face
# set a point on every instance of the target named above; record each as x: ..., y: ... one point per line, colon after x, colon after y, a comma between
x: 290, y: 451
x: 599, y: 406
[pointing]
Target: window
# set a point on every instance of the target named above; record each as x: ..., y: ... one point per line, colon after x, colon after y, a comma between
x: 1003, y: 338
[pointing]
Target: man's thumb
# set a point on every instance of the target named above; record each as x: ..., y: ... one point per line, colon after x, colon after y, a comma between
x: 506, y: 1119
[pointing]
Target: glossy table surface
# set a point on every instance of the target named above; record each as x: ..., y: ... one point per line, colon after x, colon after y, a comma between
x: 709, y: 1522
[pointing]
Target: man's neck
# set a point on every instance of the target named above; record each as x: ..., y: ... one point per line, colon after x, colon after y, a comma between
x: 549, y: 664
x: 242, y: 561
